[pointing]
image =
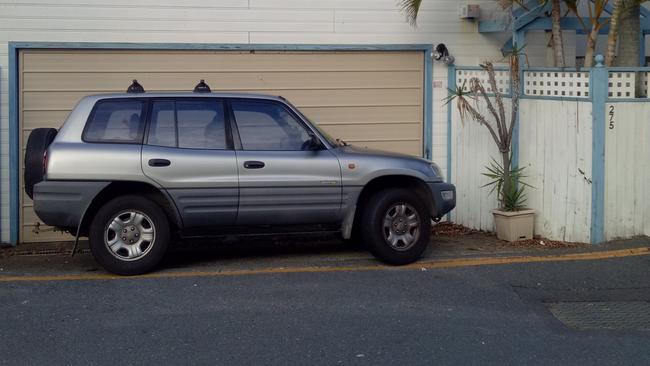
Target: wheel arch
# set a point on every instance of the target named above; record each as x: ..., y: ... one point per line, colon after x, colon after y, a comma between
x: 121, y: 188
x: 380, y: 183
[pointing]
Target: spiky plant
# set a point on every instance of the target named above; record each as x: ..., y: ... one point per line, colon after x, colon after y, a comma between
x: 504, y: 178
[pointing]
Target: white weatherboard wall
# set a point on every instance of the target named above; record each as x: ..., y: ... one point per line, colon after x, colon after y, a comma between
x: 248, y: 21
x: 627, y: 169
x: 555, y: 147
x: 555, y: 139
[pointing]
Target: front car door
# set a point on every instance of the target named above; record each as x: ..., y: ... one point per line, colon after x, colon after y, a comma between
x: 282, y: 179
x: 188, y: 151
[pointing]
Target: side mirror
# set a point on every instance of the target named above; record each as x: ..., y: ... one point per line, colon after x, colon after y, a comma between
x: 313, y: 144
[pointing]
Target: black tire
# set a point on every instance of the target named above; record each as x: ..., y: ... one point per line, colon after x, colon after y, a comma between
x: 375, y: 236
x: 37, y: 144
x: 118, y: 261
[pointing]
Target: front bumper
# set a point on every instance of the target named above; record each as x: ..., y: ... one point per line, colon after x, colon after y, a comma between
x: 444, y: 198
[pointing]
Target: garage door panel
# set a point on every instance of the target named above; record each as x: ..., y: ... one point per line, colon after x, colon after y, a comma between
x: 409, y: 147
x: 36, y: 119
x: 51, y: 101
x: 374, y: 114
x: 350, y: 98
x: 372, y: 99
x: 147, y: 61
x: 220, y: 81
x: 410, y: 131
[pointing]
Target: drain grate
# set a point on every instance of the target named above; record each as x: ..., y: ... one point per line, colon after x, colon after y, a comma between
x: 614, y: 315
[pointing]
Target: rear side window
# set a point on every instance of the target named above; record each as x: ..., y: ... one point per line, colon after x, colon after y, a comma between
x: 188, y: 124
x: 116, y: 121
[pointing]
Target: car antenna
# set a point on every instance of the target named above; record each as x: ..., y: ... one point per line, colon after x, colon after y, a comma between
x: 202, y: 87
x: 135, y: 87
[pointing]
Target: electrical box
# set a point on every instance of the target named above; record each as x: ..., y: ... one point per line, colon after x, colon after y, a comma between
x: 469, y: 11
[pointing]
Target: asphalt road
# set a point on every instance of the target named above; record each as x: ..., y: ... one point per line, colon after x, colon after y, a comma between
x: 480, y: 314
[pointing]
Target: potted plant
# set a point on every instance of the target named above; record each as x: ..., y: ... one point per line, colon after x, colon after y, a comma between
x: 512, y: 220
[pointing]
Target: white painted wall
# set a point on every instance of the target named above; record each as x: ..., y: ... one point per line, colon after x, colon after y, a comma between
x: 555, y: 146
x: 627, y: 170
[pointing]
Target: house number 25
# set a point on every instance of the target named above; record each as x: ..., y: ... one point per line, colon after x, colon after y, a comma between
x: 611, y: 117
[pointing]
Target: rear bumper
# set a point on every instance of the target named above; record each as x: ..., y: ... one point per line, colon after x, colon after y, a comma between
x: 63, y: 203
x: 444, y: 198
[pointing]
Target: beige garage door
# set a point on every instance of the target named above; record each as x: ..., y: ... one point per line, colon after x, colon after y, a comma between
x: 372, y: 99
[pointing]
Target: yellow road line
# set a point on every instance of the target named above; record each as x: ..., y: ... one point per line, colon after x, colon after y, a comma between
x: 443, y: 263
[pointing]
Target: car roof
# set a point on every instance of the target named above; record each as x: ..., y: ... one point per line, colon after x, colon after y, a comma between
x: 185, y: 95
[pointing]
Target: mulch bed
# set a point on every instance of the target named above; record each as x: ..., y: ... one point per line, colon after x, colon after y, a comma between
x: 457, y: 232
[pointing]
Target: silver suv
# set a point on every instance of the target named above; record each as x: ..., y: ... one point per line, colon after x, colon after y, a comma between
x: 134, y: 172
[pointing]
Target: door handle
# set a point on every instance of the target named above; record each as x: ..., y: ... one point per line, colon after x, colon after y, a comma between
x: 159, y: 162
x: 253, y: 164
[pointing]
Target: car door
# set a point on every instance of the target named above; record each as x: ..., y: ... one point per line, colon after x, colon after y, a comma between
x: 282, y: 180
x: 188, y: 151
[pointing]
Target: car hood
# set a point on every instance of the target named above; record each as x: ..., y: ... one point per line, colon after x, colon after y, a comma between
x: 358, y: 150
x: 385, y: 162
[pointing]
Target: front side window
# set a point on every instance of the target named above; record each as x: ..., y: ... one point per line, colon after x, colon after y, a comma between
x: 188, y: 124
x: 115, y: 120
x: 269, y: 126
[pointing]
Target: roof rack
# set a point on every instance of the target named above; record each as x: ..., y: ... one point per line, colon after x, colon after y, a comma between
x: 135, y: 87
x: 202, y: 87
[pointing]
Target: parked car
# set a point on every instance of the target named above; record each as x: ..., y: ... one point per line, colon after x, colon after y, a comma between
x: 134, y: 171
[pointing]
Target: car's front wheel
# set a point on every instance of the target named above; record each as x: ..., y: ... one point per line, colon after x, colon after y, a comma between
x: 396, y: 226
x: 129, y: 235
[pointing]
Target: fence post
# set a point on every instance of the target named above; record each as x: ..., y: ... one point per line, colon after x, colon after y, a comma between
x: 451, y: 85
x: 598, y: 89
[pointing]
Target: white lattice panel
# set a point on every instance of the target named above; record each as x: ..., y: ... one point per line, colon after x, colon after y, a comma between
x: 622, y: 84
x: 644, y: 83
x: 567, y: 84
x: 502, y: 79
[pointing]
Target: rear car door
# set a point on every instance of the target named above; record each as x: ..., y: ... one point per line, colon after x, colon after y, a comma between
x: 188, y: 151
x: 281, y: 179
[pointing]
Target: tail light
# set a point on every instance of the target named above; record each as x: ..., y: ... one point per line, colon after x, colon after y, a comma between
x: 45, y: 163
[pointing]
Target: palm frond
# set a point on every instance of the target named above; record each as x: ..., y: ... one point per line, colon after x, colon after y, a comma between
x: 411, y: 8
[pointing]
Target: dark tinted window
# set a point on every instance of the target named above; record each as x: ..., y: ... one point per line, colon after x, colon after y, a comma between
x: 116, y: 120
x: 191, y: 124
x: 268, y: 126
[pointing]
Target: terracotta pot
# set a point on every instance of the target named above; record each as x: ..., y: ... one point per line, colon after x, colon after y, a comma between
x: 514, y: 225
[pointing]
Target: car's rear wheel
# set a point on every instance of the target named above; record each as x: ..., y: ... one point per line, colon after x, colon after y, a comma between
x: 396, y: 226
x: 129, y: 235
x: 37, y: 143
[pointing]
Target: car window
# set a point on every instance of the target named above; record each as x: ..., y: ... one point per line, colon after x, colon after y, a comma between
x: 117, y: 120
x: 268, y: 126
x: 162, y: 131
x: 190, y: 124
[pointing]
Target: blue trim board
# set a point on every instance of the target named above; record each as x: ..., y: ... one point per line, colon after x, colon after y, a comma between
x: 598, y: 91
x: 451, y: 84
x: 14, y: 48
x: 14, y: 188
x: 223, y: 46
x: 428, y: 103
